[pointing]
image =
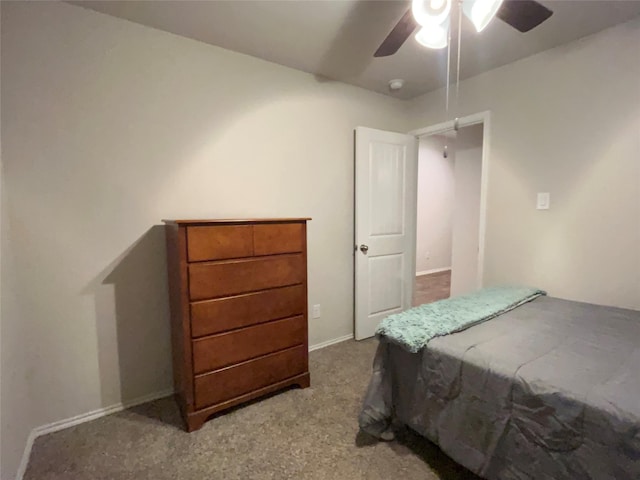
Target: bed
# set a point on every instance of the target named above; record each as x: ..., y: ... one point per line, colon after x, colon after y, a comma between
x: 548, y: 390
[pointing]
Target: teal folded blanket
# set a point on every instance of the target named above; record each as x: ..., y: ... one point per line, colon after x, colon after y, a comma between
x: 413, y: 328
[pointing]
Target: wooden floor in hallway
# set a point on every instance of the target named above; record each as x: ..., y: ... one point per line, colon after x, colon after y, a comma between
x: 432, y: 287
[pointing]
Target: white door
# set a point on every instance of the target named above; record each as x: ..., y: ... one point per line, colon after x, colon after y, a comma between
x: 386, y: 165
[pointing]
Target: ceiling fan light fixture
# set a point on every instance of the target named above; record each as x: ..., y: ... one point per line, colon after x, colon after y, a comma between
x: 430, y: 12
x: 433, y: 36
x: 480, y: 12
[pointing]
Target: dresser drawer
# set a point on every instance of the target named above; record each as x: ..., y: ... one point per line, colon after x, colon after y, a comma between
x: 231, y: 382
x: 219, y: 242
x: 224, y: 349
x: 270, y: 239
x: 211, y: 280
x: 214, y: 316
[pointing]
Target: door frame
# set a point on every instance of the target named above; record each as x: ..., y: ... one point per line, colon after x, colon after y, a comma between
x: 483, y: 118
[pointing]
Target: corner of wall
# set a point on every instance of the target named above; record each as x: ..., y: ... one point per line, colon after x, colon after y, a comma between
x: 16, y: 430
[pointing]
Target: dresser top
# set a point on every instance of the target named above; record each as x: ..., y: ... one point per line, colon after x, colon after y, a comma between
x: 227, y: 221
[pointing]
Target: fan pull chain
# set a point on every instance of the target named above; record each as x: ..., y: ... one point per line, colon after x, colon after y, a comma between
x: 445, y: 153
x: 455, y: 125
x: 448, y: 73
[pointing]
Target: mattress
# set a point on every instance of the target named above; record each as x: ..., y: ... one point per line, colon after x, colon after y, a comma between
x: 549, y: 390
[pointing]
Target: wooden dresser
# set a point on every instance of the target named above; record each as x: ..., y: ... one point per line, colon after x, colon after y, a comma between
x: 238, y: 293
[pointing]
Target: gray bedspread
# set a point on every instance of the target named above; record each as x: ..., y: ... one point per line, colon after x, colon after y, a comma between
x: 550, y: 391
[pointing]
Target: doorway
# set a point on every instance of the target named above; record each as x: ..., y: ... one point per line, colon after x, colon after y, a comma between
x: 385, y: 231
x: 448, y: 213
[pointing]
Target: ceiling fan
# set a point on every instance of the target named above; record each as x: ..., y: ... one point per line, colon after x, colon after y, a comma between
x: 433, y: 17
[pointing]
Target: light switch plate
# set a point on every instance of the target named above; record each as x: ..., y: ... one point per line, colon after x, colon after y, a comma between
x: 544, y: 201
x: 315, y: 311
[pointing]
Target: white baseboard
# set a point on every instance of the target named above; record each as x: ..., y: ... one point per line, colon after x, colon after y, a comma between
x: 100, y: 412
x: 318, y: 346
x: 434, y: 270
x: 22, y: 468
x: 118, y: 407
x: 78, y: 419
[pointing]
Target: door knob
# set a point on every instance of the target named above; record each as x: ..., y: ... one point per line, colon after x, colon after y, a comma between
x: 364, y: 248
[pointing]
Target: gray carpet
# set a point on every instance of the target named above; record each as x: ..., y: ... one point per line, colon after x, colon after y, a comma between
x: 297, y: 434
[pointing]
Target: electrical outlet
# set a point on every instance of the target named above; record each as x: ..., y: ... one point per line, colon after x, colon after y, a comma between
x: 428, y: 255
x: 543, y: 201
x: 315, y: 311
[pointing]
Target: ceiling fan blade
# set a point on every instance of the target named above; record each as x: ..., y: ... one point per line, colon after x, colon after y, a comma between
x: 403, y: 29
x: 523, y: 15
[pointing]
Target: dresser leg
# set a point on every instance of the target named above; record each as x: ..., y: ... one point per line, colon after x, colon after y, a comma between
x: 195, y: 422
x: 304, y: 381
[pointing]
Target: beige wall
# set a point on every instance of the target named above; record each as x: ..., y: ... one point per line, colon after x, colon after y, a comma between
x: 16, y: 421
x: 565, y: 121
x: 107, y: 128
x: 435, y: 205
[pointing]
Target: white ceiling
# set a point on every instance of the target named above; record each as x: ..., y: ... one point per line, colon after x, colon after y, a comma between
x: 337, y: 38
